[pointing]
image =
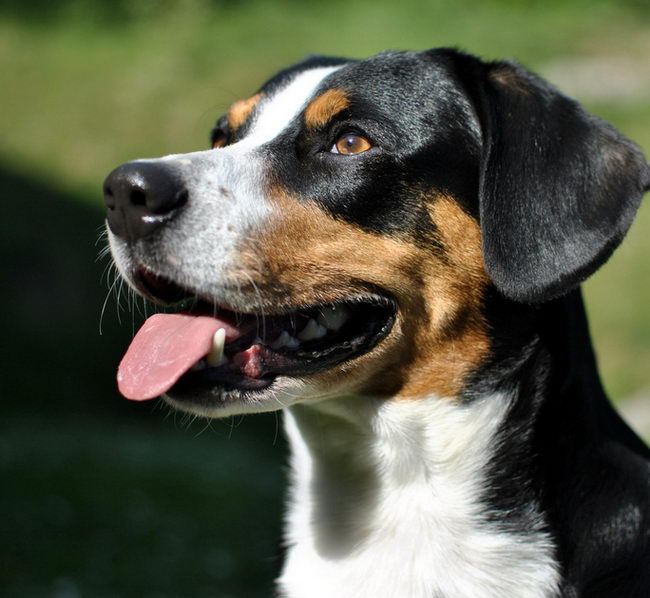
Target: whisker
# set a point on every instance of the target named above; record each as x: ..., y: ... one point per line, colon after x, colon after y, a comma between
x: 261, y: 303
x: 104, y: 304
x: 207, y: 426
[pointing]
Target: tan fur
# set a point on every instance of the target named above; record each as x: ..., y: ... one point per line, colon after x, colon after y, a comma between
x: 507, y: 77
x: 241, y: 110
x: 307, y: 257
x: 321, y: 110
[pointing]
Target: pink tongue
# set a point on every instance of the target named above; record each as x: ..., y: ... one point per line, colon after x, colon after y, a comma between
x: 166, y: 347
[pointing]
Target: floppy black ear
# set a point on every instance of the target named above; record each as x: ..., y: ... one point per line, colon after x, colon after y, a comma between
x: 559, y: 186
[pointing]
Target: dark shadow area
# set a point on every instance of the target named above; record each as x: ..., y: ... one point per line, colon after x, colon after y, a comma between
x: 101, y: 496
x: 54, y: 356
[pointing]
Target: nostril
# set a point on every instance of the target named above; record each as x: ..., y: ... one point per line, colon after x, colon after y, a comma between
x: 109, y: 200
x: 138, y: 197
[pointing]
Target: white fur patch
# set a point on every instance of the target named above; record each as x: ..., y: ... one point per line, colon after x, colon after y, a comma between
x: 385, y: 504
x: 275, y: 113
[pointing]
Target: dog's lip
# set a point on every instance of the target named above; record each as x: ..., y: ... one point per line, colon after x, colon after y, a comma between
x: 158, y: 288
x: 172, y: 296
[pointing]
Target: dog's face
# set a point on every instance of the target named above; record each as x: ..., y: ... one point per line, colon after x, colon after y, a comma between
x: 348, y: 223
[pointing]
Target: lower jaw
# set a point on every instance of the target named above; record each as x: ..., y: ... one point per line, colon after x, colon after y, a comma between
x: 223, y: 400
x: 194, y: 386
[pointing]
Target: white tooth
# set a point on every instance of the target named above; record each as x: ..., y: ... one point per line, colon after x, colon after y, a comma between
x: 216, y: 357
x: 334, y: 317
x: 312, y: 331
x: 292, y: 343
x: 281, y: 341
x: 258, y: 341
x: 285, y: 340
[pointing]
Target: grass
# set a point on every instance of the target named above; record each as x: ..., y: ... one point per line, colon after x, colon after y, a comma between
x: 83, y: 94
x: 107, y: 499
x: 117, y: 509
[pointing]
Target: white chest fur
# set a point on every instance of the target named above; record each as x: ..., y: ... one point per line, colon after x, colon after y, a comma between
x: 385, y: 503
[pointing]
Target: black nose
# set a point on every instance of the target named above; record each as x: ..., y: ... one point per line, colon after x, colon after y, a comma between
x: 140, y: 197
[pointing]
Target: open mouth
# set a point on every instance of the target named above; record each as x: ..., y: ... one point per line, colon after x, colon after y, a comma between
x: 205, y: 349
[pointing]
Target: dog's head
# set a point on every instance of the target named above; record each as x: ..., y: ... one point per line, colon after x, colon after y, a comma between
x: 341, y: 235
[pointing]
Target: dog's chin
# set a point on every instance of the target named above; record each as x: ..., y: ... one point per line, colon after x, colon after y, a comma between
x: 223, y: 401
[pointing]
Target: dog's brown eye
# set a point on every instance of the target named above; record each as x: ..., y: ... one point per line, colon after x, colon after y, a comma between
x: 351, y: 143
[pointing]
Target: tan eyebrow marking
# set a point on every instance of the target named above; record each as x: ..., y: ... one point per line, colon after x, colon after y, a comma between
x: 241, y: 110
x: 325, y: 107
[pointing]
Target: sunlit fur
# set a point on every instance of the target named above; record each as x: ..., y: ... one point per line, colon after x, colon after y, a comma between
x: 386, y: 501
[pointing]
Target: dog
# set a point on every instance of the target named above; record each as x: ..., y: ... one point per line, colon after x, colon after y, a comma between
x: 390, y: 251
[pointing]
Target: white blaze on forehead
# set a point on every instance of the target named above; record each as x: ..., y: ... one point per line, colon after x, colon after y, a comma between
x: 275, y: 113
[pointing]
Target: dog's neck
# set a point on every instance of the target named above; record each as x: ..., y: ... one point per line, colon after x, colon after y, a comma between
x: 445, y: 498
x: 386, y: 501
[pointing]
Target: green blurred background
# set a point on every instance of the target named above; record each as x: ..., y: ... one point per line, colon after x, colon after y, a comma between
x: 104, y: 498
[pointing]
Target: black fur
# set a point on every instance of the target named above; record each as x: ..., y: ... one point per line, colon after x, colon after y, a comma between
x: 559, y: 187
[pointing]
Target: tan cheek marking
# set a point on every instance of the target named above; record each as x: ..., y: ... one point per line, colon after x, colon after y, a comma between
x: 325, y: 107
x: 241, y: 110
x: 461, y: 237
x: 440, y: 335
x: 456, y: 340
